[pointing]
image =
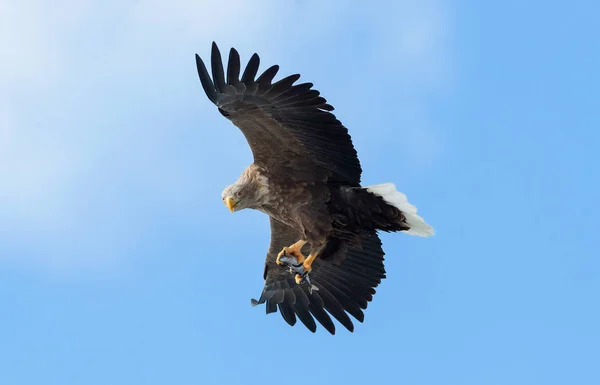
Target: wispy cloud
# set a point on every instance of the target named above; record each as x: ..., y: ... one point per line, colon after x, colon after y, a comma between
x: 410, y: 51
x: 99, y: 100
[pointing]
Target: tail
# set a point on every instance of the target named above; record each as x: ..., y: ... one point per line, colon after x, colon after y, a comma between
x: 388, y: 192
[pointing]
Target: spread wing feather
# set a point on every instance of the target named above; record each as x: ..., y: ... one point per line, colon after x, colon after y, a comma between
x: 343, y: 289
x: 289, y: 128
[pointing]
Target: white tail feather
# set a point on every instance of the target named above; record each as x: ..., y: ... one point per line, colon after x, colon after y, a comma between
x: 395, y: 198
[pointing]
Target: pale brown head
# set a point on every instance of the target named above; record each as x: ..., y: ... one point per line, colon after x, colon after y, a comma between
x: 249, y: 191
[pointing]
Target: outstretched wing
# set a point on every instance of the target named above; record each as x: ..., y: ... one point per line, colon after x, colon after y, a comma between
x: 289, y: 128
x: 342, y: 289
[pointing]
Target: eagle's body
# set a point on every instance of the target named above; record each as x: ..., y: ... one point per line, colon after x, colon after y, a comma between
x: 306, y: 178
x: 322, y: 212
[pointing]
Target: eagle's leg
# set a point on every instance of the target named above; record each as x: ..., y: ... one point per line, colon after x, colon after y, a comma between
x: 295, y: 250
x: 307, y: 265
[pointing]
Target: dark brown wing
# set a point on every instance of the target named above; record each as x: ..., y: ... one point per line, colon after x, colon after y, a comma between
x: 342, y: 289
x: 289, y: 128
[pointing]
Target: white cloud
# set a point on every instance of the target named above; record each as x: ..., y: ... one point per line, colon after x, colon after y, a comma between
x: 98, y: 98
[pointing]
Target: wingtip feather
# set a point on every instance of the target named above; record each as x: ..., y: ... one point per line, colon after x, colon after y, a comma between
x: 217, y: 68
x: 251, y: 70
x: 205, y: 80
x: 233, y: 67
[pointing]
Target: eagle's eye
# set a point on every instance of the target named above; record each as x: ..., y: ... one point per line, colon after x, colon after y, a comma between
x: 239, y: 194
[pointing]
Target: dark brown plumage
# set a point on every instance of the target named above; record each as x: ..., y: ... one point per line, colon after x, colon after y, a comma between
x: 306, y: 177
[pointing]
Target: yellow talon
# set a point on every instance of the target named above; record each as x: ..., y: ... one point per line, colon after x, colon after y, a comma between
x: 308, y: 263
x: 281, y: 253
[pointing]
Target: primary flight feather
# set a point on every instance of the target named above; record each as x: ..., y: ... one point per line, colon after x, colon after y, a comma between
x: 325, y: 257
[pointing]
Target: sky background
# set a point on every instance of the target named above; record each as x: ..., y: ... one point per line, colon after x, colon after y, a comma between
x: 119, y: 263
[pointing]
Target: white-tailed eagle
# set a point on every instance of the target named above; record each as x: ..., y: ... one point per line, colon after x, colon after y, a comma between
x: 325, y: 257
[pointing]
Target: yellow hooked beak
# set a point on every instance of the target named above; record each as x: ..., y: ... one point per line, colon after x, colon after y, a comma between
x: 230, y: 202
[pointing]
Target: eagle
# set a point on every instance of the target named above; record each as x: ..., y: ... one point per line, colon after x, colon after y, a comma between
x: 325, y: 257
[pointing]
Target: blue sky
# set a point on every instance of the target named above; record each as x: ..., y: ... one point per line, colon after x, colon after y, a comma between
x: 112, y: 162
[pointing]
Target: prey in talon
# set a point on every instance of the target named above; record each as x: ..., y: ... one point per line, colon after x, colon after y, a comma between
x: 303, y: 265
x: 293, y: 258
x: 301, y: 275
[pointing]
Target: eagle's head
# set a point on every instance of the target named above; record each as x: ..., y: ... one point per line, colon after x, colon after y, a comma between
x: 248, y: 192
